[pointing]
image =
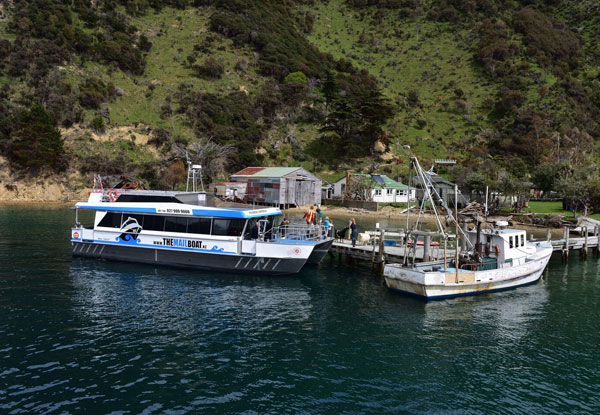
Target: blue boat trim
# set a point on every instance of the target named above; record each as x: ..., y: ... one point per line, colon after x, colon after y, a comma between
x: 218, y: 213
x: 213, y: 250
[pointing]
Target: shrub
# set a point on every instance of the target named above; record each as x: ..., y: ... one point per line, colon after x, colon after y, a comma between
x: 211, y: 68
x: 98, y: 124
x: 295, y: 77
x: 34, y: 141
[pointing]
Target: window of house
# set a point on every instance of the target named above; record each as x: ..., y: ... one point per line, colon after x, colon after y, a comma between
x: 377, y: 192
x: 390, y: 192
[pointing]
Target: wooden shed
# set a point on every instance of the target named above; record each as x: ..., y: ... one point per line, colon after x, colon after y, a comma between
x: 279, y: 186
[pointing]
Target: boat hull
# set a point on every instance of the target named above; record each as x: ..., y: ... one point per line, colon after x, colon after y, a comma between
x: 247, y: 264
x: 319, y: 252
x: 406, y: 281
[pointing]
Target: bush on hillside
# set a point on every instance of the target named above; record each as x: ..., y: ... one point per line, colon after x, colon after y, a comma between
x: 34, y: 140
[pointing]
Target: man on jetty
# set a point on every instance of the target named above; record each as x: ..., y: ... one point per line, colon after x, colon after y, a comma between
x: 309, y: 216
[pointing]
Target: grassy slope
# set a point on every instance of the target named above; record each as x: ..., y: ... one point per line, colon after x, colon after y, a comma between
x: 406, y: 55
x: 173, y: 34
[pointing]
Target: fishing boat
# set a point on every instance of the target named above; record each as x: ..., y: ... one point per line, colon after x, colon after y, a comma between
x: 496, y: 258
x: 194, y: 230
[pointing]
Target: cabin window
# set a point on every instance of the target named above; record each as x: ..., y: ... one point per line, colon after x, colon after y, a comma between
x: 390, y: 192
x: 111, y: 220
x: 175, y: 224
x: 510, y: 242
x: 228, y: 227
x: 522, y: 240
x: 199, y: 225
x: 154, y: 223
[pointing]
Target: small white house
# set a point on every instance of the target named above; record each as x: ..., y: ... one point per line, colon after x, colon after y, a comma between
x: 382, y: 188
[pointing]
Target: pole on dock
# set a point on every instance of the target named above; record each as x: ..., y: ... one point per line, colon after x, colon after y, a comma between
x: 373, y: 252
x: 548, y: 234
x: 597, y: 234
x: 565, y: 251
x: 381, y: 245
x: 463, y: 243
x: 585, y: 242
x: 456, y: 246
x: 426, y: 243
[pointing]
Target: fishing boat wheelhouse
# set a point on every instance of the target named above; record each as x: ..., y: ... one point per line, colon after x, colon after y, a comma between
x: 194, y: 230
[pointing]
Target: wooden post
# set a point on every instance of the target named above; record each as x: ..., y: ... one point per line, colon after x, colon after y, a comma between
x: 381, y: 241
x: 445, y: 252
x: 597, y: 233
x: 463, y: 244
x: 426, y: 244
x: 373, y: 252
x: 456, y: 246
x: 565, y: 252
x: 548, y: 234
x: 585, y: 242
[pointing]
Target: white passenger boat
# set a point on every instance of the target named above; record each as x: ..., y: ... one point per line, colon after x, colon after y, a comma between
x: 188, y: 230
x: 497, y: 258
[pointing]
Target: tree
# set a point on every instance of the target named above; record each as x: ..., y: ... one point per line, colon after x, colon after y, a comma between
x: 357, y: 117
x: 295, y: 77
x: 34, y: 141
x: 175, y: 174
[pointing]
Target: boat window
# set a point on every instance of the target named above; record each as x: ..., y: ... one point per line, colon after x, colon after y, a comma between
x: 111, y: 220
x: 522, y: 240
x: 175, y: 224
x: 154, y: 223
x: 228, y: 227
x: 510, y: 242
x: 199, y: 225
x: 249, y: 227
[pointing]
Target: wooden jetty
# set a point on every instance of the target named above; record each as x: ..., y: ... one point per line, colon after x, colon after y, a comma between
x: 377, y: 251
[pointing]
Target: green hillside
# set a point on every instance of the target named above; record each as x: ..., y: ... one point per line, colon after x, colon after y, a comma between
x: 509, y: 89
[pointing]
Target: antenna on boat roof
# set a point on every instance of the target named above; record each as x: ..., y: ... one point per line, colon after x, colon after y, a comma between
x: 194, y: 171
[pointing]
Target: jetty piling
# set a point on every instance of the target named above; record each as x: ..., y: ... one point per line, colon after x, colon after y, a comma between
x: 585, y: 242
x: 565, y: 251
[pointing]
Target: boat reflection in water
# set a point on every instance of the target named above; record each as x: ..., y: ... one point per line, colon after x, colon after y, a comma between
x: 506, y: 318
x: 158, y: 301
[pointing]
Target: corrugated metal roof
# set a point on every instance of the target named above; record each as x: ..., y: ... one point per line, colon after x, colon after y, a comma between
x: 248, y: 171
x: 265, y: 171
x: 383, y: 181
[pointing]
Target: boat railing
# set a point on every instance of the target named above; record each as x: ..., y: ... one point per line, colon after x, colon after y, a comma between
x: 302, y: 232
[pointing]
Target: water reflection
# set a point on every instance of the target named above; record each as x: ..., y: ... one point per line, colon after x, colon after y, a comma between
x: 164, y: 299
x: 505, y: 316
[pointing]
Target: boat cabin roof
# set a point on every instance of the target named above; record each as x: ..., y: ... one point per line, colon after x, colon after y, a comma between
x: 171, y: 204
x: 179, y: 209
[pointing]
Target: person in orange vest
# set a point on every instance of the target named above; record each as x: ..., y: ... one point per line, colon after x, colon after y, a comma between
x: 309, y: 216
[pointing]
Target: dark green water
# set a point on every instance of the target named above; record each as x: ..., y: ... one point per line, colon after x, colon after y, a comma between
x: 93, y: 337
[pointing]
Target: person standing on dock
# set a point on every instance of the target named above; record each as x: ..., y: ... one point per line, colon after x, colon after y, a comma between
x: 354, y: 231
x: 327, y: 226
x: 309, y: 216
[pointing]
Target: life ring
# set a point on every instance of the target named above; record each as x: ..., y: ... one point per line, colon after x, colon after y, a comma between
x: 496, y: 250
x: 112, y: 196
